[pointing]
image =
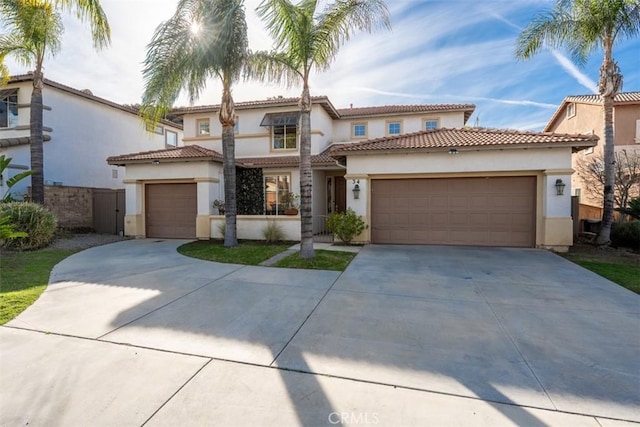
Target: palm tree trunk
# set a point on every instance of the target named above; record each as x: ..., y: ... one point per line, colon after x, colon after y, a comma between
x: 609, y: 84
x: 35, y: 122
x: 306, y: 179
x: 227, y: 119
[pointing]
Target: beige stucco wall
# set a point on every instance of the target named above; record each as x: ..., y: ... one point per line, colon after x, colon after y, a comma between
x: 589, y: 119
x: 252, y: 226
x: 376, y: 127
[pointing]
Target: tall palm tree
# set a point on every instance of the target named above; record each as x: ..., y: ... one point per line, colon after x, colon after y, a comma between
x: 34, y: 33
x: 203, y: 39
x: 307, y: 39
x: 582, y: 26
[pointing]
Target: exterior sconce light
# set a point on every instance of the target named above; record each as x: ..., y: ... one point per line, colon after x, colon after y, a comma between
x: 560, y: 187
x: 453, y: 151
x: 155, y: 162
x: 356, y: 189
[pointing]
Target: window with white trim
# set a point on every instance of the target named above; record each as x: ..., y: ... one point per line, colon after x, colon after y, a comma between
x: 8, y: 108
x: 429, y: 124
x: 276, y: 189
x: 637, y: 131
x: 171, y: 138
x: 359, y: 130
x: 236, y: 125
x: 571, y: 110
x: 394, y: 128
x: 203, y: 127
x: 284, y: 137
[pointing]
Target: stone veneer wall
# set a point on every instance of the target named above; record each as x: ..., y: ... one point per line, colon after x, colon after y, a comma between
x: 73, y: 206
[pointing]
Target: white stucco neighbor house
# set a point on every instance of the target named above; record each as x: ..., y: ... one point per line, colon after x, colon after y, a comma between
x: 80, y: 131
x: 414, y: 173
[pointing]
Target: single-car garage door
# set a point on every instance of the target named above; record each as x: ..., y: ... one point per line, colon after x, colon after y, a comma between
x: 494, y: 211
x: 171, y: 210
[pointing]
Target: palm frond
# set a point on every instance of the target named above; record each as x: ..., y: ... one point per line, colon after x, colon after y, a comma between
x: 177, y: 58
x: 91, y: 12
x: 273, y: 66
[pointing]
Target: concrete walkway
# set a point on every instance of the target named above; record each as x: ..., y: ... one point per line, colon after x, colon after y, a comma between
x: 133, y: 333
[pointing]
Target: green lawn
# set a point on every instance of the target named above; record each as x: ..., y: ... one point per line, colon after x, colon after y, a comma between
x: 624, y: 274
x: 324, y: 260
x: 23, y: 277
x: 247, y: 252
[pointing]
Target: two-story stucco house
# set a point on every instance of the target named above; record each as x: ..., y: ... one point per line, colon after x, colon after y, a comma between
x: 584, y: 114
x: 414, y: 172
x: 80, y: 131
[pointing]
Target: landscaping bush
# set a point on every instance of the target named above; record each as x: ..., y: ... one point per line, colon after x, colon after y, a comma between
x: 346, y: 225
x: 626, y: 235
x: 31, y: 218
x: 273, y: 232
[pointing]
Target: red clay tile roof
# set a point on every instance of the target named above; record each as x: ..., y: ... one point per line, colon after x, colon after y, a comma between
x: 274, y: 102
x: 322, y: 159
x: 621, y: 98
x: 187, y: 152
x: 461, y: 138
x: 404, y: 109
x: 22, y: 140
x: 85, y: 94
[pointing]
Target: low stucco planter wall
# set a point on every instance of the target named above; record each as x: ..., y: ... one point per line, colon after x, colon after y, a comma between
x: 251, y: 227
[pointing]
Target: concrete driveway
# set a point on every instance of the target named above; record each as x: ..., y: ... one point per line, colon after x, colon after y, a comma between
x: 133, y: 333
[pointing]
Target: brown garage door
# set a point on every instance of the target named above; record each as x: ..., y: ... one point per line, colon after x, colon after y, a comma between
x: 497, y: 211
x: 171, y: 210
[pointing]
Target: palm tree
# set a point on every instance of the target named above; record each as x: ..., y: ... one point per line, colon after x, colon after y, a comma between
x: 307, y: 39
x: 35, y: 29
x: 203, y: 39
x: 582, y: 26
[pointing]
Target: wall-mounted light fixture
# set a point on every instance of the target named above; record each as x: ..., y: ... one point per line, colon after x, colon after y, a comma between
x: 453, y: 151
x: 560, y: 187
x: 155, y: 162
x: 356, y: 188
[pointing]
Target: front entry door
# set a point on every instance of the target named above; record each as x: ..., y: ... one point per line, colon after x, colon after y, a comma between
x: 336, y: 194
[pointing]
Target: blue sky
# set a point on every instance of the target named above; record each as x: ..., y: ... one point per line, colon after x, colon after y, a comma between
x: 439, y: 51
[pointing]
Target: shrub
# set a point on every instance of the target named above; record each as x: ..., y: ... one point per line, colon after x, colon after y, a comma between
x: 626, y: 235
x: 273, y: 232
x: 632, y: 209
x: 222, y: 229
x: 346, y: 225
x: 31, y: 218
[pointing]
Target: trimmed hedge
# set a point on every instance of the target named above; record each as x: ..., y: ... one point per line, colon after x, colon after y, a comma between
x: 31, y: 218
x: 626, y: 235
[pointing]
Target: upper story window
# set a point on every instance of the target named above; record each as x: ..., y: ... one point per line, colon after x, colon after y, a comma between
x: 430, y: 124
x: 155, y: 129
x: 171, y: 138
x: 284, y: 137
x: 358, y: 130
x: 9, y: 108
x: 203, y: 127
x: 637, y: 131
x: 284, y: 129
x: 394, y: 127
x: 236, y: 125
x: 571, y: 110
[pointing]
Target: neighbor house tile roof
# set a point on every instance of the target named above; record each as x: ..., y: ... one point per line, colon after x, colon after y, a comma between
x: 86, y: 93
x: 623, y: 98
x: 22, y: 140
x: 463, y: 138
x: 271, y: 102
x: 386, y: 110
x: 188, y: 152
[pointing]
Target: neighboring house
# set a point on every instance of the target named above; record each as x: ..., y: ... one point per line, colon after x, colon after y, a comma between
x: 584, y: 114
x: 80, y: 131
x: 422, y: 178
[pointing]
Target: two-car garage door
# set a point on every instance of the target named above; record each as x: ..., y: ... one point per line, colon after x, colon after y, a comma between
x: 171, y: 210
x: 492, y: 211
